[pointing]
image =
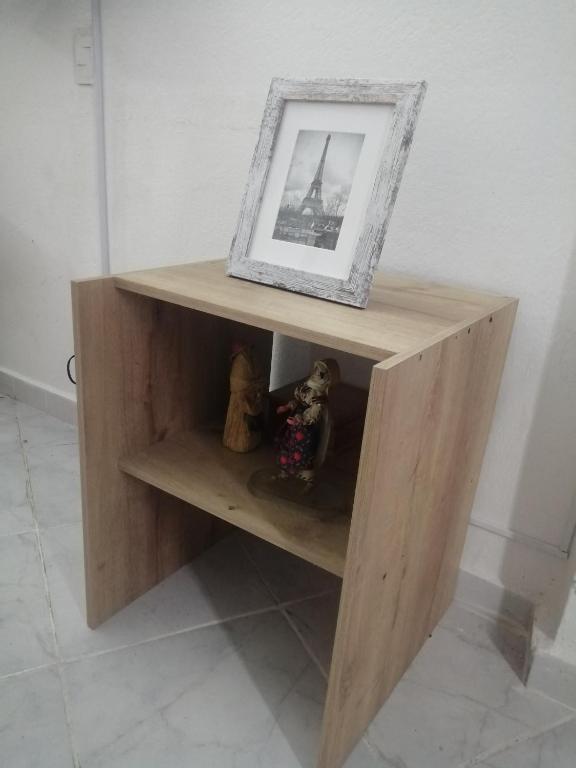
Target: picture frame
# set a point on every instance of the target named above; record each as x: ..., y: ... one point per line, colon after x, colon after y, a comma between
x: 320, y: 232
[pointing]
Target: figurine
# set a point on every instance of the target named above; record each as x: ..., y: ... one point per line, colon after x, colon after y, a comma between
x: 303, y: 440
x: 242, y: 432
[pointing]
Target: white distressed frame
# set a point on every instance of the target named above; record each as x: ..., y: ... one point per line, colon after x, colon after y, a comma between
x: 407, y: 99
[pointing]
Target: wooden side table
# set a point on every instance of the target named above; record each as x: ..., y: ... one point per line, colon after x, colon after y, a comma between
x: 152, y: 353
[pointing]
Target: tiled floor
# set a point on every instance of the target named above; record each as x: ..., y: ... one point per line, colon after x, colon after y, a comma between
x: 220, y: 666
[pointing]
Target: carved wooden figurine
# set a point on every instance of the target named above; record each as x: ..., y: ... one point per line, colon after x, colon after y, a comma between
x: 242, y: 432
x: 303, y: 440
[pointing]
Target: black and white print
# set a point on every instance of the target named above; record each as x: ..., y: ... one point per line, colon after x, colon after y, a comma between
x: 317, y: 188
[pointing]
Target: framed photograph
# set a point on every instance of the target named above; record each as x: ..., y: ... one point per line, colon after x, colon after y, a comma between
x: 322, y: 185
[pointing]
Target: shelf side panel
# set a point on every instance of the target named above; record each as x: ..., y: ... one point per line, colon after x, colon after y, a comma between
x: 142, y: 374
x: 427, y: 425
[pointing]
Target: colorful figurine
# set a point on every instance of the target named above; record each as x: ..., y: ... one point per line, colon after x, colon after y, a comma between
x: 303, y: 439
x: 242, y: 432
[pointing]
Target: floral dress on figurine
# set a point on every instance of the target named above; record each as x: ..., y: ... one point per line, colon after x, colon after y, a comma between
x: 299, y: 438
x: 300, y: 445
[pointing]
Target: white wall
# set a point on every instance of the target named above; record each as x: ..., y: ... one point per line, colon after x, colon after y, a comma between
x: 48, y: 201
x: 488, y: 197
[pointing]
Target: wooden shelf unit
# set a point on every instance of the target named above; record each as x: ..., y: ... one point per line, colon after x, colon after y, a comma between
x: 152, y: 357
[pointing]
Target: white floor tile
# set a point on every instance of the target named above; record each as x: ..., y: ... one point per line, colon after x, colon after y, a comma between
x: 8, y: 406
x: 243, y: 694
x: 33, y: 731
x: 315, y: 621
x: 40, y: 428
x: 553, y: 749
x: 11, y: 406
x: 509, y: 641
x: 9, y: 434
x: 287, y: 576
x: 211, y: 697
x: 238, y: 695
x: 15, y: 512
x: 26, y: 638
x: 363, y: 756
x: 218, y: 585
x: 459, y: 698
x: 55, y: 480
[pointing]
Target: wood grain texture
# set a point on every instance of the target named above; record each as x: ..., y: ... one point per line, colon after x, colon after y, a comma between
x: 197, y: 468
x: 428, y: 420
x: 402, y: 314
x: 146, y: 369
x: 407, y: 99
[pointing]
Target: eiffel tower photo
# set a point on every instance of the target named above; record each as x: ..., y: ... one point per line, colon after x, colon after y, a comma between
x: 317, y: 187
x: 313, y: 200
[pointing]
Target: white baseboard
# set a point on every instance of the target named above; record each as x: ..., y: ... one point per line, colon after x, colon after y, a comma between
x: 493, y: 600
x: 506, y: 533
x: 512, y: 565
x: 41, y: 396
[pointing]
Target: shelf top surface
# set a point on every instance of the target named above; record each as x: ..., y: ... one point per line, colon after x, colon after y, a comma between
x: 195, y: 467
x: 403, y: 314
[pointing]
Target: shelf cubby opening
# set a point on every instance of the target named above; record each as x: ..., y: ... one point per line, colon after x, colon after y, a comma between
x: 185, y: 458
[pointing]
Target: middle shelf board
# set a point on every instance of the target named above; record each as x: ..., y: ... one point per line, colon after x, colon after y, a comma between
x: 195, y: 467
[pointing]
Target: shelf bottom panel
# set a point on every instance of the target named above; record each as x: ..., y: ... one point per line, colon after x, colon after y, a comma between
x: 195, y: 467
